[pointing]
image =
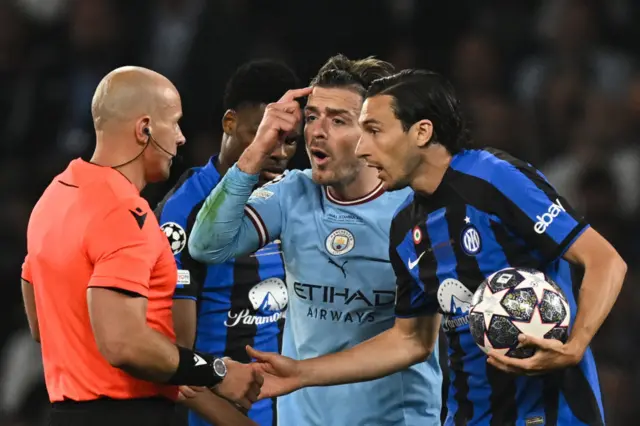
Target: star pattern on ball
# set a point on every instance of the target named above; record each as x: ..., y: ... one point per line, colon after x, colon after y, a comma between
x: 535, y: 326
x: 490, y: 305
x: 536, y: 282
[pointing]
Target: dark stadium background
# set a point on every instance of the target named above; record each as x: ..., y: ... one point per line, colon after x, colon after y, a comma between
x: 554, y: 82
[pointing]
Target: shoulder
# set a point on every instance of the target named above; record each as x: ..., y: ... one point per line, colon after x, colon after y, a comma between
x: 187, y: 195
x: 493, y: 166
x: 125, y: 222
x: 402, y: 216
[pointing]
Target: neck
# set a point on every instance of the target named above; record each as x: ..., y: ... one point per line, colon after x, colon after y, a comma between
x: 133, y: 171
x: 366, y: 181
x: 429, y: 174
x: 222, y: 164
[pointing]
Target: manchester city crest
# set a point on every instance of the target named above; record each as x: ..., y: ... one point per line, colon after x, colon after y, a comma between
x: 340, y: 242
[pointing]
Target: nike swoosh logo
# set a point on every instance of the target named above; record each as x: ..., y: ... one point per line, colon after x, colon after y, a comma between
x: 415, y: 262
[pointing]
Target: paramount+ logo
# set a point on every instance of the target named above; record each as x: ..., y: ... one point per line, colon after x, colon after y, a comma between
x: 547, y: 219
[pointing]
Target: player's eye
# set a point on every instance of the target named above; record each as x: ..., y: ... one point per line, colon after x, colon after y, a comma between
x: 310, y: 117
x: 339, y: 121
x: 291, y: 140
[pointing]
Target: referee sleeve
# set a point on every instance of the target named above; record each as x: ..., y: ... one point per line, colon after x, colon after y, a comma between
x: 123, y: 247
x: 532, y: 208
x: 26, y: 270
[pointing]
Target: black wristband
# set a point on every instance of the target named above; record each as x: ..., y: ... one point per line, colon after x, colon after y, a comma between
x: 194, y: 369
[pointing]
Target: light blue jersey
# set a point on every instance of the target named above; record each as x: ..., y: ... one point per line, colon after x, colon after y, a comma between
x: 341, y: 289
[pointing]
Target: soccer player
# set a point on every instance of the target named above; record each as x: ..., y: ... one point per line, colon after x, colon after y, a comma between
x: 99, y: 275
x: 473, y: 213
x: 241, y: 301
x: 333, y: 221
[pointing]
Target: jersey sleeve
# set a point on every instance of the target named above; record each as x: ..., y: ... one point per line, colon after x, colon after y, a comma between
x: 530, y: 206
x: 120, y: 244
x: 229, y: 224
x: 176, y: 223
x: 26, y: 270
x: 411, y: 298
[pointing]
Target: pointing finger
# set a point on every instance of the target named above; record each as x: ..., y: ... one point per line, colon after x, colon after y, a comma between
x: 295, y: 93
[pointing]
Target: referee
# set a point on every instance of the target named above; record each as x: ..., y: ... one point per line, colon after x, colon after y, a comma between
x: 100, y: 275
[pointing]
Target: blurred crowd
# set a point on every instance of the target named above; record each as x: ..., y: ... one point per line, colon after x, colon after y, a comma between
x: 553, y: 82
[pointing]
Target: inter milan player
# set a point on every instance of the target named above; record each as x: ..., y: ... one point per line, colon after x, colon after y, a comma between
x: 334, y: 224
x: 414, y: 135
x: 222, y: 308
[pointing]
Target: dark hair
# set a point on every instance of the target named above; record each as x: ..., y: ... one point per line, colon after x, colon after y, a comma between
x: 259, y: 82
x: 340, y: 71
x: 419, y: 95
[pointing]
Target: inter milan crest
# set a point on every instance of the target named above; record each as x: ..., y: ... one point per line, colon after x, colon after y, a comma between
x: 470, y: 240
x: 340, y: 242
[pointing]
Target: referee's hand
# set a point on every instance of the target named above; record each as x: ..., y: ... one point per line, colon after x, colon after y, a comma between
x: 241, y: 385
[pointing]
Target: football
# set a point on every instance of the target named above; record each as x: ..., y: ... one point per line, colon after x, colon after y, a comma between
x: 517, y: 301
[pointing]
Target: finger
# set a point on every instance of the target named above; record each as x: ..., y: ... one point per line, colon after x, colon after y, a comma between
x: 258, y: 379
x: 253, y: 393
x: 296, y: 93
x: 256, y: 354
x: 259, y: 355
x: 282, y: 120
x: 506, y: 363
x: 532, y: 341
x: 501, y: 366
x: 244, y: 403
x: 290, y: 107
x: 187, y: 392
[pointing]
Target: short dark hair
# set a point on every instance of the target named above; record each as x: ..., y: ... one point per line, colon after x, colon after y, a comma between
x: 259, y: 82
x: 421, y: 94
x: 340, y: 71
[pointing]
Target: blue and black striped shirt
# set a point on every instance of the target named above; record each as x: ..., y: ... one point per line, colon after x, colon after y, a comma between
x: 239, y: 302
x: 490, y: 212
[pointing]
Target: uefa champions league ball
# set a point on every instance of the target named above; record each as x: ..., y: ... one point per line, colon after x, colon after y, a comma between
x: 517, y: 301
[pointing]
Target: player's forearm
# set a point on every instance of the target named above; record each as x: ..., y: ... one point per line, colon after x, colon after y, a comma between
x: 252, y: 160
x: 148, y: 355
x: 600, y: 288
x: 384, y: 354
x: 216, y: 410
x: 221, y: 230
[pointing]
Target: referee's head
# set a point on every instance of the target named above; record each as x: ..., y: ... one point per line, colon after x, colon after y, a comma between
x: 410, y: 120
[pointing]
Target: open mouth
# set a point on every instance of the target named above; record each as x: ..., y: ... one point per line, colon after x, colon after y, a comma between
x: 319, y: 155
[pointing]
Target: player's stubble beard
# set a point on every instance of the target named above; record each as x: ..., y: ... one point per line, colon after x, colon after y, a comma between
x: 339, y: 173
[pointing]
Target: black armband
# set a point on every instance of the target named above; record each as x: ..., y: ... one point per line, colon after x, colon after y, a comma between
x: 197, y: 369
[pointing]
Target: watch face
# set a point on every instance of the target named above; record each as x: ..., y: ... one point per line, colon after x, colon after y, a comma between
x: 219, y: 367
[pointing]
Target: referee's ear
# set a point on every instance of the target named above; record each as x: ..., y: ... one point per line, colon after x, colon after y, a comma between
x: 422, y: 132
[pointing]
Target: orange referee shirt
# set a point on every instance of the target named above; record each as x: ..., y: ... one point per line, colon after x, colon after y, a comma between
x: 91, y: 228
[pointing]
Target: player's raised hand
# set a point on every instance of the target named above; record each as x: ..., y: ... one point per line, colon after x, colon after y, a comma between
x: 241, y: 385
x: 550, y: 355
x: 280, y: 118
x: 281, y: 374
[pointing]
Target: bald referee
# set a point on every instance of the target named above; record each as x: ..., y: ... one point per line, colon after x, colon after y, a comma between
x: 100, y: 274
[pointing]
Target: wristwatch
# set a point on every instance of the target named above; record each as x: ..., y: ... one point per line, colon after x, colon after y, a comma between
x: 219, y: 368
